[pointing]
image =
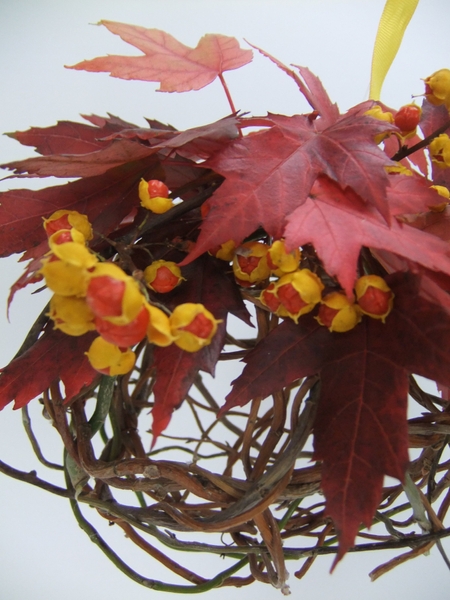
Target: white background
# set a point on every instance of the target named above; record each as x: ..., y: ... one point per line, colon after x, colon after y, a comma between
x: 43, y: 553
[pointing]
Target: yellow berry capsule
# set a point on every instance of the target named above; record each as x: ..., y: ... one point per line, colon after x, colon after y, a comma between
x: 440, y: 151
x: 158, y: 204
x: 281, y: 262
x: 110, y: 359
x: 75, y: 254
x: 65, y: 278
x: 269, y: 298
x: 68, y: 219
x: 338, y: 313
x: 437, y: 88
x: 375, y: 298
x: 113, y: 295
x: 71, y: 315
x: 192, y: 326
x: 299, y: 292
x: 225, y: 251
x: 378, y: 113
x: 159, y: 327
x: 63, y: 236
x: 250, y: 262
x: 407, y: 118
x: 162, y: 276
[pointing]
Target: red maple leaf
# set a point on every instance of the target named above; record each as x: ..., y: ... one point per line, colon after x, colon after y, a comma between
x: 436, y: 223
x: 116, y: 153
x: 176, y: 370
x: 106, y: 199
x: 360, y: 429
x: 69, y: 137
x: 269, y: 174
x: 195, y: 143
x: 54, y: 357
x: 178, y: 68
x: 338, y: 225
x: 312, y: 89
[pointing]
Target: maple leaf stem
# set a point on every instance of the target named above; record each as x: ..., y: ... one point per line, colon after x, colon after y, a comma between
x: 404, y: 151
x: 227, y: 93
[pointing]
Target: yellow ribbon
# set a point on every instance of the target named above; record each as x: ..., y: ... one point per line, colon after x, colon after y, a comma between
x: 393, y: 23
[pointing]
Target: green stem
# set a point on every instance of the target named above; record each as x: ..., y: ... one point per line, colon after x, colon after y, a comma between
x: 105, y: 393
x: 141, y: 499
x: 288, y: 514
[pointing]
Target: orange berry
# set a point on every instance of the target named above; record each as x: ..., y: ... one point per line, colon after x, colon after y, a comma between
x: 124, y: 335
x: 374, y: 296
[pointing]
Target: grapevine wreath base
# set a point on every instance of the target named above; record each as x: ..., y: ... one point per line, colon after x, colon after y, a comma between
x: 273, y: 513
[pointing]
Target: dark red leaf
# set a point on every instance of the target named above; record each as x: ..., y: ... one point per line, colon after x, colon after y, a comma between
x: 360, y: 430
x: 115, y: 154
x: 55, y: 356
x: 105, y: 199
x: 202, y: 142
x: 270, y: 174
x: 360, y: 434
x: 196, y: 143
x: 30, y: 275
x: 176, y: 370
x: 332, y: 221
x: 270, y: 366
x: 109, y: 123
x: 66, y: 137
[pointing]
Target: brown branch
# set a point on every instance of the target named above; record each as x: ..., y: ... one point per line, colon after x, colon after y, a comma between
x: 33, y: 479
x: 404, y: 151
x: 160, y: 556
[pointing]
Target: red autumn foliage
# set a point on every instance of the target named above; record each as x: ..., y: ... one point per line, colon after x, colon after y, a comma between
x: 176, y: 370
x: 175, y: 66
x: 360, y: 430
x: 54, y: 356
x: 318, y: 180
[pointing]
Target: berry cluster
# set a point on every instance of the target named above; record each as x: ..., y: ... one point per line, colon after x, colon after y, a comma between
x: 297, y: 291
x: 94, y: 295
